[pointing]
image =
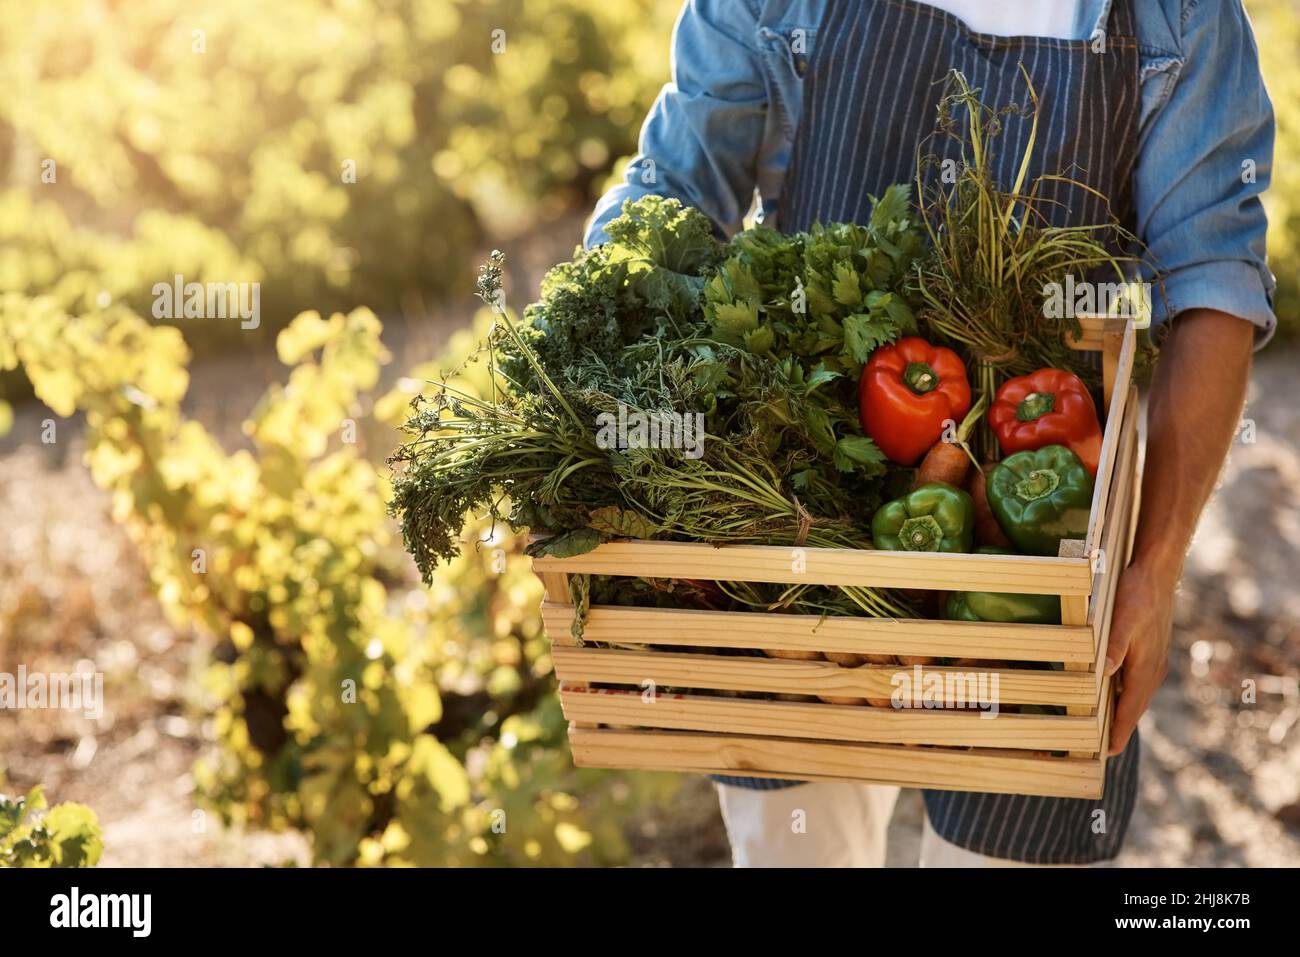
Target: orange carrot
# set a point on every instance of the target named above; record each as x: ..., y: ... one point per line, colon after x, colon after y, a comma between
x: 945, y: 462
x: 950, y: 459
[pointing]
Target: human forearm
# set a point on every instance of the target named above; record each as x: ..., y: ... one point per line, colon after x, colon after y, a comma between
x: 702, y: 139
x: 1194, y: 411
x: 1194, y: 408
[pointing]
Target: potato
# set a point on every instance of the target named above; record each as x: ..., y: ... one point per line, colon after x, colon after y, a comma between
x: 851, y: 660
x: 792, y: 655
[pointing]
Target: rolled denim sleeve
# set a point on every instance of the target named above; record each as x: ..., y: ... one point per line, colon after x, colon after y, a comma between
x: 702, y: 139
x: 1206, y: 157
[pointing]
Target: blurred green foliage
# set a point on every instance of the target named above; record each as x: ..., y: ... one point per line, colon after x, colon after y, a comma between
x: 1277, y: 31
x: 33, y: 834
x: 393, y: 724
x: 218, y: 141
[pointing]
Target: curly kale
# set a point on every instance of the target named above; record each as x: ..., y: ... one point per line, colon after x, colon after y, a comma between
x: 647, y: 280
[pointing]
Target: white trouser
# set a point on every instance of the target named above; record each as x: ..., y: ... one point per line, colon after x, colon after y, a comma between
x: 827, y: 825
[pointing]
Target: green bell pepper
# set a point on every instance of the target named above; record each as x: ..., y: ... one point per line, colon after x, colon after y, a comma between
x: 934, y: 518
x: 1040, y: 497
x: 1001, y: 606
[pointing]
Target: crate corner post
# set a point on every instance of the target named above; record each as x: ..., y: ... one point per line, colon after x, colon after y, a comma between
x: 556, y: 587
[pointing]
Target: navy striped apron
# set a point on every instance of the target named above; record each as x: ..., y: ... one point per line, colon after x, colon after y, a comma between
x: 870, y: 98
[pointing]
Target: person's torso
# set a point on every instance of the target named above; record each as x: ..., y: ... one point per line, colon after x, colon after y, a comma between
x: 787, y: 37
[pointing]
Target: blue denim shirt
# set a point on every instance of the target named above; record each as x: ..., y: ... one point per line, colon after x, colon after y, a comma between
x: 722, y: 130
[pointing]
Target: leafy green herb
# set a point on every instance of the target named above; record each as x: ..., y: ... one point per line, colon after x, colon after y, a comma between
x: 620, y: 523
x: 831, y: 294
x: 747, y: 335
x: 566, y: 545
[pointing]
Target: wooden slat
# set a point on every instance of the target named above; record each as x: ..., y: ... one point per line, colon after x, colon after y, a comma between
x: 1108, y: 712
x: 830, y: 722
x: 1137, y: 476
x: 1098, y: 611
x: 784, y: 676
x: 1123, y: 408
x: 975, y: 770
x: 1114, y: 544
x: 1094, y: 329
x: 1026, y: 574
x: 1117, y: 386
x: 1074, y: 611
x: 556, y: 585
x: 1104, y: 488
x: 677, y: 627
x: 1112, y: 346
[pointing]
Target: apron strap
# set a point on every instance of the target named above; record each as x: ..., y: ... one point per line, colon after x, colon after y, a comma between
x: 1116, y: 20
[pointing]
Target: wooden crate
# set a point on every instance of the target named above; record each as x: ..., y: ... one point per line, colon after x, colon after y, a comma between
x: 620, y: 724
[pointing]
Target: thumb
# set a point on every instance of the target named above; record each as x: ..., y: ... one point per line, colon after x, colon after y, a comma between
x: 1121, y: 635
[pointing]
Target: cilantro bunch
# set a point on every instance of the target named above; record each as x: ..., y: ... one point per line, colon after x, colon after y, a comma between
x: 830, y: 295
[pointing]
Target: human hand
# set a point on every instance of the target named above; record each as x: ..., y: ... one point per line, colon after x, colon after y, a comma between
x: 1140, y: 633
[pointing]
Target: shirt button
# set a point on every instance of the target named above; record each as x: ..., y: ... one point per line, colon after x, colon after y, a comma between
x: 801, y: 65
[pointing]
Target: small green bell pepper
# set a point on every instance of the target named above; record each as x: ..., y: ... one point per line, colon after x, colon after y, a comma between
x: 1040, y: 497
x: 937, y: 517
x: 1001, y: 606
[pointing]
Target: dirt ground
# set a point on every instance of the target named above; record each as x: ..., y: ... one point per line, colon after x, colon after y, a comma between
x: 1221, y: 779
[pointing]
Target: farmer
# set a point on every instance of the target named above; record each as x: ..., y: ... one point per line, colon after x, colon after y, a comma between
x: 1159, y: 105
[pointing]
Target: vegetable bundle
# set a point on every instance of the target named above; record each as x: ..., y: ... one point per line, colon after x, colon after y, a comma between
x: 763, y: 339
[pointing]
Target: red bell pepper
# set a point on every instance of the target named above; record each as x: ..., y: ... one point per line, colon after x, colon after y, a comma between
x: 909, y: 390
x: 1047, y: 407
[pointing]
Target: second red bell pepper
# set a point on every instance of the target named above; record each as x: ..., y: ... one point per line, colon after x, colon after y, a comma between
x: 1047, y: 407
x: 909, y: 390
